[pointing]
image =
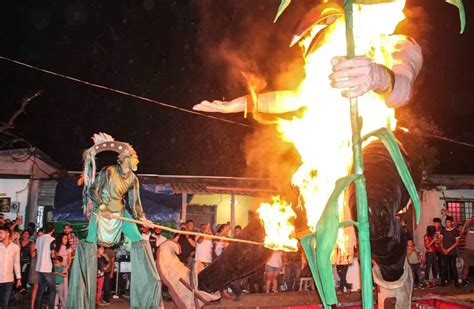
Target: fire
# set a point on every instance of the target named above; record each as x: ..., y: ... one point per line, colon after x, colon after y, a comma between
x: 323, y: 135
x: 276, y: 219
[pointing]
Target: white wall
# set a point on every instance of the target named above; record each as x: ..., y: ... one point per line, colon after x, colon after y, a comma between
x: 17, y: 190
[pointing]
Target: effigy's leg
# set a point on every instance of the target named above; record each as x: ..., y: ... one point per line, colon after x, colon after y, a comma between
x: 92, y: 230
x: 386, y: 195
x: 82, y: 281
x: 145, y: 287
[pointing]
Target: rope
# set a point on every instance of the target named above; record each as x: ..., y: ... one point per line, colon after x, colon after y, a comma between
x: 77, y: 80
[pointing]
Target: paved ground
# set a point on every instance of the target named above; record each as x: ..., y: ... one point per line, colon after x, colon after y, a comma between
x: 294, y: 299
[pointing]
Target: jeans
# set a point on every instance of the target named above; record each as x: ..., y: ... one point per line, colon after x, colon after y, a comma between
x: 5, y: 292
x: 449, y: 272
x: 292, y: 275
x: 342, y: 273
x: 46, y: 280
x: 431, y: 262
x: 415, y: 269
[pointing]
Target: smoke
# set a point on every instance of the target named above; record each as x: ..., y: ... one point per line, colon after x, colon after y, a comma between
x: 241, y: 44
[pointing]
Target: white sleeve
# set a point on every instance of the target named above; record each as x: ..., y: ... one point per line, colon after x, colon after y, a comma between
x: 16, y: 263
x: 407, y: 63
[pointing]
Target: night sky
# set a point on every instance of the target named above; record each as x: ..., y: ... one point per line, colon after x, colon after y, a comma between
x: 177, y: 52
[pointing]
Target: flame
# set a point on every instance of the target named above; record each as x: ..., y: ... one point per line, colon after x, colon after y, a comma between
x: 276, y: 219
x: 323, y: 135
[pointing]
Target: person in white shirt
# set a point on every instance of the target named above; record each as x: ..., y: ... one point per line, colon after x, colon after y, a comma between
x: 45, y: 251
x: 272, y: 270
x: 204, y: 246
x: 9, y: 263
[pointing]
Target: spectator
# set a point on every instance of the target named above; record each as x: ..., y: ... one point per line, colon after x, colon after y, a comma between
x: 9, y: 264
x: 146, y: 233
x: 222, y: 231
x: 17, y: 223
x: 60, y: 274
x: 33, y: 276
x: 437, y: 243
x: 204, y: 246
x: 450, y: 240
x: 431, y: 262
x: 101, y: 267
x: 2, y: 218
x: 272, y: 270
x: 73, y: 239
x: 468, y: 255
x: 46, y: 249
x: 190, y: 225
x: 31, y: 228
x: 413, y: 257
x: 64, y: 250
x: 187, y: 244
x: 157, y: 239
x: 16, y: 235
x: 109, y: 254
x: 237, y: 230
x: 25, y: 259
x: 407, y: 234
x: 293, y: 269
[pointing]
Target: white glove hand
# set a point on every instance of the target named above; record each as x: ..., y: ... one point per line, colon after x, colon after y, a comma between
x: 358, y: 76
x: 218, y: 106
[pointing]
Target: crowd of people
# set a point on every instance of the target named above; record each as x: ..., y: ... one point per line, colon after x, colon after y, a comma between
x: 40, y: 259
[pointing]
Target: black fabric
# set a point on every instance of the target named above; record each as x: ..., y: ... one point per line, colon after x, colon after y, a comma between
x: 107, y: 288
x: 101, y: 265
x: 386, y: 195
x: 449, y: 238
x: 186, y: 248
x: 431, y: 262
x: 342, y: 273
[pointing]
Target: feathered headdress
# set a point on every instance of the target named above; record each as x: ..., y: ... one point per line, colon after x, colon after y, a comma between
x: 102, y: 142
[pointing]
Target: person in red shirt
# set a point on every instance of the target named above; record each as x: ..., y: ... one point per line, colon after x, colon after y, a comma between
x: 431, y: 261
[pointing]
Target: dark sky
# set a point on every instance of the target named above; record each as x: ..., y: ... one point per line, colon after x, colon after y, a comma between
x: 173, y: 52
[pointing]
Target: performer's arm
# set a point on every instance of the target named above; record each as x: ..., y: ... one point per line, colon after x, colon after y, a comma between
x: 134, y: 197
x: 274, y: 102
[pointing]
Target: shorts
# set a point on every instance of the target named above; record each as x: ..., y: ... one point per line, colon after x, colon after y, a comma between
x: 271, y: 269
x: 468, y: 257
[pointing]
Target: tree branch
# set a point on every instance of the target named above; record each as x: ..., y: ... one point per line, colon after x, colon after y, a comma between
x: 10, y: 124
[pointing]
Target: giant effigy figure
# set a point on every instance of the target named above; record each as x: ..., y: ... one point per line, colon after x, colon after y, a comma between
x: 113, y: 192
x: 382, y: 75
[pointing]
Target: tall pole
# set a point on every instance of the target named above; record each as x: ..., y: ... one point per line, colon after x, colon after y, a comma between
x: 361, y: 193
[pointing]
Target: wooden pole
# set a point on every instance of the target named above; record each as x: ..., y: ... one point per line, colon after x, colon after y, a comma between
x: 165, y: 228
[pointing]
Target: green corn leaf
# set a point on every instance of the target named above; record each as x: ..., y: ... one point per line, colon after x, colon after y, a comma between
x: 462, y: 14
x: 283, y: 5
x: 391, y: 145
x: 326, y: 235
x: 309, y: 244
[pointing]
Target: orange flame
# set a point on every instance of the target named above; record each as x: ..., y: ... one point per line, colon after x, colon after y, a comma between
x: 276, y: 218
x: 323, y: 135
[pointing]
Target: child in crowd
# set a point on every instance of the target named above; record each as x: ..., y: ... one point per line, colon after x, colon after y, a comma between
x: 60, y: 272
x: 102, y: 263
x: 413, y: 257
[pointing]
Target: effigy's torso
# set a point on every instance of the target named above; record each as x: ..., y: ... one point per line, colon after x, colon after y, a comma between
x: 115, y: 189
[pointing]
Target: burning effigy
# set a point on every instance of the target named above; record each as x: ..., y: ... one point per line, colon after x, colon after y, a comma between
x: 339, y: 148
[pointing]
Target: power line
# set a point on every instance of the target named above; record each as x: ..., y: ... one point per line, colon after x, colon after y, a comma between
x: 447, y: 139
x: 77, y: 80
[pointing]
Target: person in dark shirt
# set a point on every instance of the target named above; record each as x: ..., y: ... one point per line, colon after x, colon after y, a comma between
x: 450, y: 240
x: 187, y: 243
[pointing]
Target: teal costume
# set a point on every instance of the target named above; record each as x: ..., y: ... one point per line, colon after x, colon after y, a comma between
x: 112, y: 191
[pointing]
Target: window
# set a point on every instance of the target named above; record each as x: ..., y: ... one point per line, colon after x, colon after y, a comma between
x: 461, y: 210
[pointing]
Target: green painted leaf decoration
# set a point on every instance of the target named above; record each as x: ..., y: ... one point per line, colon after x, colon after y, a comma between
x: 283, y: 5
x: 462, y: 14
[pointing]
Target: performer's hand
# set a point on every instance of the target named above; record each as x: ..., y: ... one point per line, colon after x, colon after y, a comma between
x: 107, y: 214
x: 358, y: 75
x: 18, y: 283
x: 217, y: 106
